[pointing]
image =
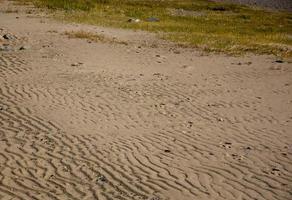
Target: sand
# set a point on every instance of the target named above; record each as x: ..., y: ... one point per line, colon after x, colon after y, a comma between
x: 147, y: 120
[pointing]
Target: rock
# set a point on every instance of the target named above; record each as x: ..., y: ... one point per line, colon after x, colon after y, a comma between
x: 6, y: 48
x: 24, y: 48
x: 284, y: 154
x: 76, y: 64
x: 220, y: 119
x: 101, y: 180
x: 279, y: 61
x: 167, y: 151
x: 9, y: 37
x: 275, y: 170
x: 152, y: 19
x: 133, y: 20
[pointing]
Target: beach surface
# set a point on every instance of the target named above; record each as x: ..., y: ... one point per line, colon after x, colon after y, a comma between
x: 140, y: 119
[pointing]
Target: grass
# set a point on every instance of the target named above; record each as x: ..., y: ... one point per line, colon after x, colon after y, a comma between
x: 93, y: 37
x: 213, y: 27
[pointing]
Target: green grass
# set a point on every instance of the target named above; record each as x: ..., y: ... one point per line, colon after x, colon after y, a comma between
x: 213, y: 27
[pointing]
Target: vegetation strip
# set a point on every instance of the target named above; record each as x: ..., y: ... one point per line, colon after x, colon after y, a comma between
x: 215, y: 27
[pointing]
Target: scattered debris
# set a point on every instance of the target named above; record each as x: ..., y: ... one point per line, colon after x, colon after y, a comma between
x: 242, y: 63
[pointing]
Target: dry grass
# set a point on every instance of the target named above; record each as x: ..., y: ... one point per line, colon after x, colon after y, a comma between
x: 93, y: 37
x: 11, y: 10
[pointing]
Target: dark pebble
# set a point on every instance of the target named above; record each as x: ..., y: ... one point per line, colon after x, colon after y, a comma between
x: 279, y: 61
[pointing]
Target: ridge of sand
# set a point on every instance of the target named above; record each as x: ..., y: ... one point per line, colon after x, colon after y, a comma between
x: 134, y: 122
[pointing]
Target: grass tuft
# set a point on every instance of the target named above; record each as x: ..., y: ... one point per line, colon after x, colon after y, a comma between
x: 93, y: 37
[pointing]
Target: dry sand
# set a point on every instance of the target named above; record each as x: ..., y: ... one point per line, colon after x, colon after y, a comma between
x: 137, y: 122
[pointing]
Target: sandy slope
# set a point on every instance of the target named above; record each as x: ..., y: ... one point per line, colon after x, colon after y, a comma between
x: 135, y: 122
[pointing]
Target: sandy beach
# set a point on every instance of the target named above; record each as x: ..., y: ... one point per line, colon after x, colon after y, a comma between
x: 138, y: 120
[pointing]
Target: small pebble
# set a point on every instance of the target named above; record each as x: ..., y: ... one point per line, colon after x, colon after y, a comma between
x: 24, y: 48
x: 279, y: 61
x: 220, y: 119
x: 101, y: 180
